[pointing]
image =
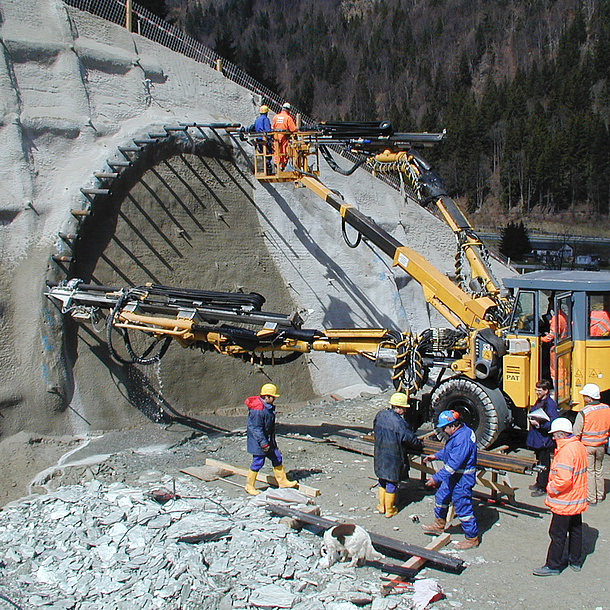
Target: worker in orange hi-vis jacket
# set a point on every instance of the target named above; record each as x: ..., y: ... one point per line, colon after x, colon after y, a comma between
x: 567, y: 499
x: 599, y: 325
x: 558, y: 330
x: 592, y: 426
x: 282, y: 122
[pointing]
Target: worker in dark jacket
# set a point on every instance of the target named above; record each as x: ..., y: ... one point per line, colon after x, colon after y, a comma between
x: 261, y: 438
x: 455, y: 479
x: 393, y: 440
x: 538, y: 438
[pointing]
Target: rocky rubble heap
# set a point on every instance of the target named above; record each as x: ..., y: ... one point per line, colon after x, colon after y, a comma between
x: 97, y: 546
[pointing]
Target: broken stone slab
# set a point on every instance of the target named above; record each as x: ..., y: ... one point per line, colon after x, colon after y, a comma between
x: 200, y: 527
x: 355, y: 391
x: 272, y: 596
x: 159, y: 522
x: 309, y: 604
x: 114, y: 517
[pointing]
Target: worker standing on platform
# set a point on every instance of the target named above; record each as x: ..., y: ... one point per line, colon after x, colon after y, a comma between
x: 456, y: 479
x: 393, y: 439
x: 282, y: 121
x: 261, y: 437
x: 264, y: 143
x: 540, y: 418
x: 592, y: 426
x: 262, y: 123
x: 567, y: 499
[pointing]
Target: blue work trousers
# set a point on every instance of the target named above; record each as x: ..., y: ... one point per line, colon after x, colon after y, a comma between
x: 258, y: 460
x: 460, y: 495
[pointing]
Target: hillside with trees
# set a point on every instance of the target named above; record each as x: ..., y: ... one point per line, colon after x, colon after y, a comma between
x: 521, y: 86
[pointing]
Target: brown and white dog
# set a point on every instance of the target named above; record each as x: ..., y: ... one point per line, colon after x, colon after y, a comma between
x: 346, y: 541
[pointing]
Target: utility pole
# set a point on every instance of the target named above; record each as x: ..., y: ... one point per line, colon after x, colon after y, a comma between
x: 128, y: 14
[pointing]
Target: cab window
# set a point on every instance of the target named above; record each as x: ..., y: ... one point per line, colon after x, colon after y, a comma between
x: 524, y: 316
x: 599, y: 315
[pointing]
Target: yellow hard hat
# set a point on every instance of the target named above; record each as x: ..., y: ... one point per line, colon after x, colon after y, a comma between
x: 269, y: 389
x: 399, y: 399
x: 264, y: 110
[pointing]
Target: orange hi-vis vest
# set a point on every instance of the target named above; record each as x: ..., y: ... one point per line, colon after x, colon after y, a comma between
x: 599, y: 324
x: 567, y: 487
x: 596, y: 425
x: 282, y: 121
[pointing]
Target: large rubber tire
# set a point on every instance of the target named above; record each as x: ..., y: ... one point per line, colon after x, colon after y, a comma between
x: 483, y: 409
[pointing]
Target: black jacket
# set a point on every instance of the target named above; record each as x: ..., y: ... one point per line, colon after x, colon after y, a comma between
x: 393, y: 441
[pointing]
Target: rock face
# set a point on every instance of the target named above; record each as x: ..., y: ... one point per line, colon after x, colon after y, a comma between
x: 75, y: 88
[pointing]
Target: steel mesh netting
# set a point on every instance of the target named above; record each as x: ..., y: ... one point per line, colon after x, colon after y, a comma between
x: 160, y: 31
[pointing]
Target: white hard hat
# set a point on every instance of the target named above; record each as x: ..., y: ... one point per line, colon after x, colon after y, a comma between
x: 561, y: 424
x: 286, y: 105
x: 591, y: 390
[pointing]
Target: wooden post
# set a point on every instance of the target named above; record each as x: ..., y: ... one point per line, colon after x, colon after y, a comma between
x: 128, y: 10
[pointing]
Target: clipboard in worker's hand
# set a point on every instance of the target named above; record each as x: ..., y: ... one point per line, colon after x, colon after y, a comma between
x: 540, y: 415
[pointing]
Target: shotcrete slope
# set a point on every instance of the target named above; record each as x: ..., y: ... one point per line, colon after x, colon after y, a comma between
x: 73, y: 88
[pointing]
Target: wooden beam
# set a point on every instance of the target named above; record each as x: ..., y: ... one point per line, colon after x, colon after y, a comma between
x: 263, y: 478
x: 415, y: 563
x: 446, y: 561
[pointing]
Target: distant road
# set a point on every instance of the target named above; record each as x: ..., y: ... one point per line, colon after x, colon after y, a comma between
x: 541, y: 241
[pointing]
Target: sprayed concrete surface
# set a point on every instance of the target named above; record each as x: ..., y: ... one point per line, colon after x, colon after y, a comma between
x: 74, y: 88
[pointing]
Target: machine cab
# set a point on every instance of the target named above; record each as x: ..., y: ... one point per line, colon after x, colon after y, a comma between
x: 559, y: 330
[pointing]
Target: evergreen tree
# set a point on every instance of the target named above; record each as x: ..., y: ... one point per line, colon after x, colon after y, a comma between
x: 156, y: 7
x: 224, y: 45
x: 515, y: 241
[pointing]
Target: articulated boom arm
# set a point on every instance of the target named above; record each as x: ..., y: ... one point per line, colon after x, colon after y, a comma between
x: 232, y: 324
x: 473, y: 304
x: 457, y: 307
x: 428, y: 186
x: 394, y: 153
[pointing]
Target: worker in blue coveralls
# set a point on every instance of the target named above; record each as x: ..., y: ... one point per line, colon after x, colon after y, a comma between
x: 264, y: 144
x: 393, y: 440
x: 456, y: 479
x: 261, y: 438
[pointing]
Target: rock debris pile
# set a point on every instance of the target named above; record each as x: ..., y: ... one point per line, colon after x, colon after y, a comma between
x: 98, y: 546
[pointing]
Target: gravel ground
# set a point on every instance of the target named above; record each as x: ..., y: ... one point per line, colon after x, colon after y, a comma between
x: 498, y: 573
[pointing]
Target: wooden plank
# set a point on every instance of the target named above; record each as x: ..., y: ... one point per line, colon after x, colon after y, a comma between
x: 352, y: 444
x: 448, y: 562
x: 485, y: 459
x: 263, y: 478
x: 198, y: 473
x: 415, y: 563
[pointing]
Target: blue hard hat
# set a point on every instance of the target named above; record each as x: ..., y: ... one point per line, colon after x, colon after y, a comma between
x: 447, y: 417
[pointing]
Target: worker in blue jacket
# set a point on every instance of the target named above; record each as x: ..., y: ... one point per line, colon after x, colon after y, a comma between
x: 456, y: 479
x: 393, y: 441
x: 261, y: 438
x: 264, y: 144
x: 538, y: 438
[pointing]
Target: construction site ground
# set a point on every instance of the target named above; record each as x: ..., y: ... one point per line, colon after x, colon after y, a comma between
x: 498, y: 574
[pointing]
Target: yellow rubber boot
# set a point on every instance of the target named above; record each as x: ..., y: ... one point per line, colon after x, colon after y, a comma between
x: 390, y: 509
x: 250, y: 483
x: 381, y: 499
x: 281, y: 478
